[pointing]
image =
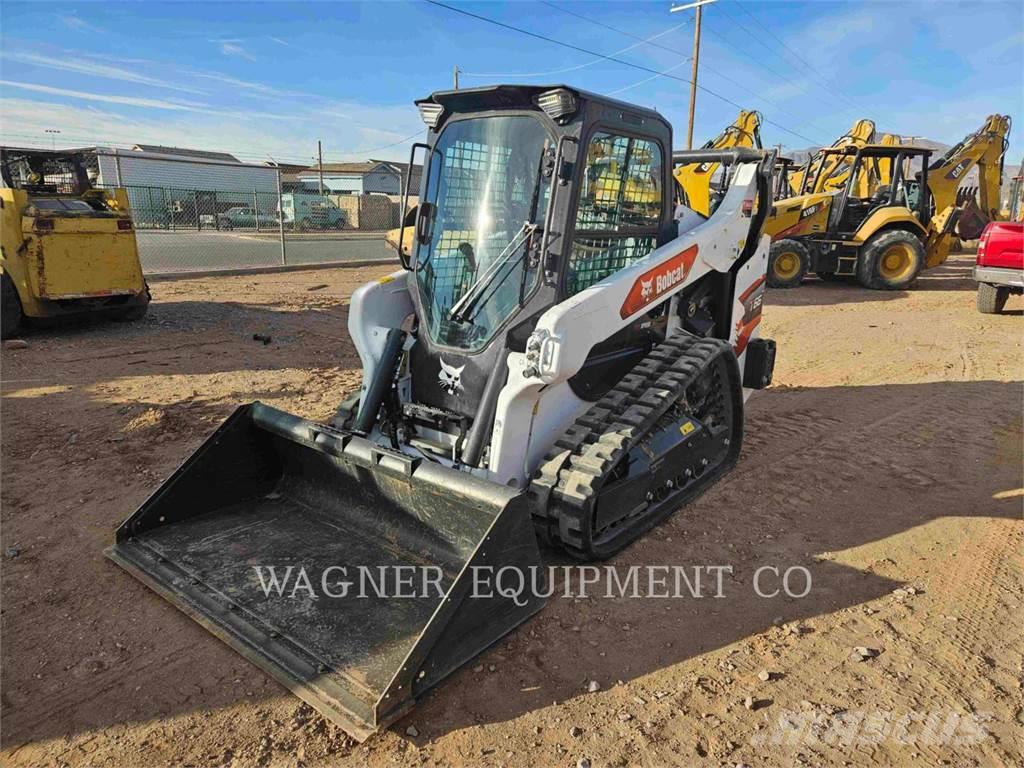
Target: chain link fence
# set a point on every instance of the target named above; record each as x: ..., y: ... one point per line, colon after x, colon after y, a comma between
x: 185, y: 230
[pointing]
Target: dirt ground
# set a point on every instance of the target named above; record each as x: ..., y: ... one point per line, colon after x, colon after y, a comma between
x: 886, y: 459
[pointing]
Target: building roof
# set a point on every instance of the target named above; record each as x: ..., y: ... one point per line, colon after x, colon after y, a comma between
x: 358, y: 169
x: 179, y: 151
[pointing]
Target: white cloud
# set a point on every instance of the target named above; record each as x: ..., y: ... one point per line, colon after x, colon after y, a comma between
x: 23, y: 122
x: 279, y: 41
x: 85, y: 66
x: 131, y: 101
x: 135, y: 101
x: 80, y: 25
x: 229, y: 48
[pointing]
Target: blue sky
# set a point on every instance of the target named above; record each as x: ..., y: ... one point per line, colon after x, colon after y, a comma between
x: 268, y: 79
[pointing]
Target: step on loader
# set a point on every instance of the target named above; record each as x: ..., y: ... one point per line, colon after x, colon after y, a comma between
x: 562, y: 360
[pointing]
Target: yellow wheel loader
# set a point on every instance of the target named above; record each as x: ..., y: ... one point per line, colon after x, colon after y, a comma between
x: 698, y: 179
x: 550, y: 366
x: 68, y: 249
x: 884, y: 240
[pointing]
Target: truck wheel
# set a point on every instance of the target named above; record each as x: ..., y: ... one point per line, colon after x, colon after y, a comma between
x: 10, y: 308
x: 890, y: 261
x: 991, y: 298
x: 788, y: 261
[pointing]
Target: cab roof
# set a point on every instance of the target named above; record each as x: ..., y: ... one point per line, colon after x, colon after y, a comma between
x: 522, y: 96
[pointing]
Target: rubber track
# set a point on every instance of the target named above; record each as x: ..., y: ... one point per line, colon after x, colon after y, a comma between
x: 570, y: 476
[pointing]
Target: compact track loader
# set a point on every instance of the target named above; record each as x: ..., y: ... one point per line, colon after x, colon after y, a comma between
x: 562, y: 359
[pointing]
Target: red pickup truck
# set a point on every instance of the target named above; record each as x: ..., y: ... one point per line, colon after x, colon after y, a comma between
x: 1000, y: 266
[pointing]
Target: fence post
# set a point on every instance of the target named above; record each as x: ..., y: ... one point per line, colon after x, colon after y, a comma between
x: 280, y: 219
x: 195, y: 205
x: 170, y: 206
x: 256, y: 208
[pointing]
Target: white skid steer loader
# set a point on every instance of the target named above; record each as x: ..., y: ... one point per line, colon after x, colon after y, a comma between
x: 563, y: 358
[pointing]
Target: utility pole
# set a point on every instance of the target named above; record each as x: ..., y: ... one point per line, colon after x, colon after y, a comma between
x: 456, y: 74
x: 696, y: 57
x: 53, y: 137
x: 320, y: 163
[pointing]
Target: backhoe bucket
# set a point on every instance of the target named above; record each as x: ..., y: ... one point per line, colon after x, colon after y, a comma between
x: 257, y: 535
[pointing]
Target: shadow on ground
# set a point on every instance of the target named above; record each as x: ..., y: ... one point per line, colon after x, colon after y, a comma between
x: 954, y: 275
x: 807, y: 487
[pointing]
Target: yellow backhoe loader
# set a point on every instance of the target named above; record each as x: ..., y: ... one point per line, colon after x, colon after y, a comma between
x: 698, y: 179
x: 884, y: 239
x: 68, y: 249
x: 986, y: 150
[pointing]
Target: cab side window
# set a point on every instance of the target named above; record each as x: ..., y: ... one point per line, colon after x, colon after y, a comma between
x: 619, y: 209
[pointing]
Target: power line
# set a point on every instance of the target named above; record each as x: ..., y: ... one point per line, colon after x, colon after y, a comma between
x: 687, y: 57
x: 764, y: 45
x: 580, y: 66
x: 614, y: 59
x: 793, y: 53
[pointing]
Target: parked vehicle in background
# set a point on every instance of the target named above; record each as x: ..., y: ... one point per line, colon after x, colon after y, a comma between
x: 311, y: 212
x: 245, y: 218
x: 68, y: 248
x: 999, y: 269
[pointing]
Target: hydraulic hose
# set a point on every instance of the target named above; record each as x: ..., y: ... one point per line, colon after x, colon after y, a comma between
x: 383, y: 377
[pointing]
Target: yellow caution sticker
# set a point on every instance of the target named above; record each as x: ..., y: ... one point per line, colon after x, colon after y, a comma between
x: 687, y: 427
x: 385, y: 280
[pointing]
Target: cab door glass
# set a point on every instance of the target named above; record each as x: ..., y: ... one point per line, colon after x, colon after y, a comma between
x: 619, y: 210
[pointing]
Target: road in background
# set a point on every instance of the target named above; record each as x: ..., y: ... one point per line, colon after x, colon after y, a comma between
x: 167, y: 252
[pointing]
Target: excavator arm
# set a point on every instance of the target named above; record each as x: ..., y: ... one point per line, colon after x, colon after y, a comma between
x: 986, y: 149
x: 695, y: 179
x: 862, y: 132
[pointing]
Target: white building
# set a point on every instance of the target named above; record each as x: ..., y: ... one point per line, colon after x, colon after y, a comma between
x: 372, y: 177
x: 182, y: 169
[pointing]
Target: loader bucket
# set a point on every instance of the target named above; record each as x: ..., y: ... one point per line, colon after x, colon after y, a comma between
x: 272, y: 489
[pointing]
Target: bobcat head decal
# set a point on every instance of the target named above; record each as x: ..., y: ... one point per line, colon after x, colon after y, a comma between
x: 646, y: 288
x: 450, y: 377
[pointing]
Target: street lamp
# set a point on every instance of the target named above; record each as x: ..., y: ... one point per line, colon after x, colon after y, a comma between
x: 696, y: 55
x: 53, y: 137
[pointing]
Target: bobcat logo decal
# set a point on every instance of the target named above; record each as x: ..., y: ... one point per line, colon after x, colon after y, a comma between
x: 646, y: 289
x: 450, y: 377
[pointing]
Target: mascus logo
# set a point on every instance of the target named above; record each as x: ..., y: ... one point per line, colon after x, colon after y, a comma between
x: 658, y: 281
x: 959, y: 168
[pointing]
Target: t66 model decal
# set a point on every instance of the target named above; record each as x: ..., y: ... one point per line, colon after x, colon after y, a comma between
x: 658, y: 281
x: 752, y: 300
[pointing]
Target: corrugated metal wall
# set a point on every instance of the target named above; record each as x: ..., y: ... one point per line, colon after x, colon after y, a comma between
x: 147, y: 170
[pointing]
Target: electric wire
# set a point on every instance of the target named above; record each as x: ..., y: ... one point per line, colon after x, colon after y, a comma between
x: 614, y: 59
